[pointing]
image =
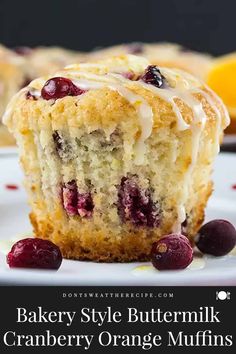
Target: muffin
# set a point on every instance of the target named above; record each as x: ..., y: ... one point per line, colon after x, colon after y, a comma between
x: 161, y: 54
x: 45, y: 60
x: 11, y: 80
x: 116, y: 154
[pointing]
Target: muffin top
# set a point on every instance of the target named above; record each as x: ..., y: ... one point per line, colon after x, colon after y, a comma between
x: 125, y: 92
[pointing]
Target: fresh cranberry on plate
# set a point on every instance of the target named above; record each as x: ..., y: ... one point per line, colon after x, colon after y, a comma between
x: 217, y: 237
x: 34, y: 253
x: 171, y: 252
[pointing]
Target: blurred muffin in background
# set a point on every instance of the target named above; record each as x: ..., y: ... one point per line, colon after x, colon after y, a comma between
x: 222, y: 79
x: 45, y: 60
x: 162, y: 54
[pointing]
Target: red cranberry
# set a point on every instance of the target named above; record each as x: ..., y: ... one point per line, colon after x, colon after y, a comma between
x: 34, y: 253
x: 153, y: 76
x: 85, y: 204
x: 136, y: 205
x: 76, y: 203
x: 70, y: 198
x: 58, y: 141
x: 12, y: 187
x: 217, y: 237
x: 135, y: 48
x: 59, y: 87
x: 23, y: 50
x: 171, y: 252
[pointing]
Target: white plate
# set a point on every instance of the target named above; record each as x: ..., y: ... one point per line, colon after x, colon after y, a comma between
x: 14, y: 224
x: 8, y: 150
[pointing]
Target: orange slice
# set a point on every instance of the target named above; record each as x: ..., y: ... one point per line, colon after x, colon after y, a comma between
x: 222, y: 79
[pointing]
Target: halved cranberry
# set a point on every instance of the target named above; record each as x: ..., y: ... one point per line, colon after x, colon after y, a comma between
x: 136, y: 205
x: 217, y: 237
x: 76, y: 203
x: 172, y: 251
x: 34, y: 253
x: 153, y: 76
x: 59, y: 87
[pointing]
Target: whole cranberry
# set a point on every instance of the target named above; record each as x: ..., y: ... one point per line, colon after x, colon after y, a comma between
x: 171, y: 252
x: 34, y: 253
x: 217, y: 237
x: 59, y: 87
x: 153, y: 76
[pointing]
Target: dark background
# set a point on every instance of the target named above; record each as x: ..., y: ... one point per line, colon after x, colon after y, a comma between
x: 205, y: 25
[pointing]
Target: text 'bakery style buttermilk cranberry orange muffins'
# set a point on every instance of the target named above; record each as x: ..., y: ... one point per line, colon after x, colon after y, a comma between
x: 116, y: 154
